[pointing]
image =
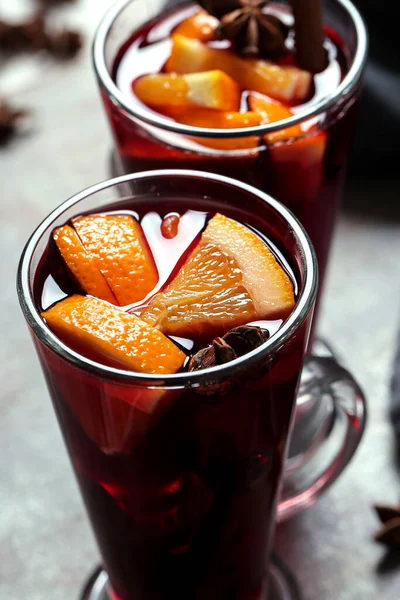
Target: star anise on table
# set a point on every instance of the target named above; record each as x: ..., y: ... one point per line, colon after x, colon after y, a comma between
x: 64, y: 44
x: 253, y: 32
x: 34, y: 35
x: 9, y: 120
x: 53, y: 3
x: 389, y: 533
x: 20, y: 37
x: 30, y: 36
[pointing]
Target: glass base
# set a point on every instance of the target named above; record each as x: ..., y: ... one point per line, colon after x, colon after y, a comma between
x: 282, y: 585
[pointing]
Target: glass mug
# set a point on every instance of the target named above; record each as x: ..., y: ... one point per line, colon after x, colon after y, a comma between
x: 183, y: 501
x: 307, y: 178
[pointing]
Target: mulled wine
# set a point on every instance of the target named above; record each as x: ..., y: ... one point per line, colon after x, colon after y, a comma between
x: 178, y: 445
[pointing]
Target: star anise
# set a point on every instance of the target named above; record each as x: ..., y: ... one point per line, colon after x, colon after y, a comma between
x: 34, y: 34
x: 51, y: 3
x: 218, y: 353
x: 64, y: 44
x: 389, y: 533
x: 236, y: 342
x: 219, y: 8
x: 252, y: 31
x: 9, y: 120
x: 21, y: 37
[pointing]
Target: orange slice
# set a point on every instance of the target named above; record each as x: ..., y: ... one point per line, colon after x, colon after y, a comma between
x: 115, y: 416
x: 299, y: 169
x: 298, y: 159
x: 111, y: 423
x: 284, y: 83
x: 231, y: 278
x: 218, y: 119
x: 200, y: 26
x: 271, y: 112
x: 81, y: 264
x: 93, y: 325
x: 211, y: 89
x: 222, y: 120
x: 119, y: 248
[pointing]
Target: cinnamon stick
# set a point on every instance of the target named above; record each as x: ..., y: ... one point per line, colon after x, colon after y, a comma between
x: 309, y: 35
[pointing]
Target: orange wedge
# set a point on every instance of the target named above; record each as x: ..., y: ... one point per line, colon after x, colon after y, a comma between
x: 81, y: 264
x: 200, y: 26
x: 216, y: 119
x: 112, y: 424
x: 91, y: 325
x: 211, y: 89
x: 222, y: 120
x: 271, y: 112
x: 284, y: 83
x: 231, y: 278
x: 119, y: 248
x: 113, y: 415
x: 299, y: 169
x: 298, y: 159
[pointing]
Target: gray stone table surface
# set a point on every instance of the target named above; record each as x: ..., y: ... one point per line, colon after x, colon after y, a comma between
x: 46, y: 546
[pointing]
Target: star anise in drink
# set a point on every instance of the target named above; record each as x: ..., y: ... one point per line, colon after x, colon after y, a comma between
x: 237, y: 342
x: 252, y: 31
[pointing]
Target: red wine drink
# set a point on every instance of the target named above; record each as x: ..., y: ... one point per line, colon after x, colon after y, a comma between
x: 176, y: 407
x: 151, y: 64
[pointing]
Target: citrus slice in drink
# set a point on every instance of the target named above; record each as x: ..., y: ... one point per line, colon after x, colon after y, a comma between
x: 81, y: 264
x: 98, y: 329
x: 210, y: 89
x: 104, y: 413
x: 285, y: 83
x: 121, y: 253
x: 297, y: 152
x: 299, y: 168
x: 271, y: 112
x: 231, y: 278
x: 215, y: 119
x: 200, y: 26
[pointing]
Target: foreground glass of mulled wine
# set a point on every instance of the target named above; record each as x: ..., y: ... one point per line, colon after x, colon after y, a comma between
x: 290, y: 141
x: 179, y: 468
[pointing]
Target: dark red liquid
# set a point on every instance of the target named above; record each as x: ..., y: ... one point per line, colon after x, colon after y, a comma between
x: 310, y: 189
x: 180, y: 487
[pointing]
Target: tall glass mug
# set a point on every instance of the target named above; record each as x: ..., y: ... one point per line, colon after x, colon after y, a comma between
x: 181, y: 473
x: 305, y: 173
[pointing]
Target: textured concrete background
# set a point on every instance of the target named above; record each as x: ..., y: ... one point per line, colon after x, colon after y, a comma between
x: 46, y: 547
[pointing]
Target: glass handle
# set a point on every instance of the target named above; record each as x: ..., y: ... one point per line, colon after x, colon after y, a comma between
x: 330, y: 420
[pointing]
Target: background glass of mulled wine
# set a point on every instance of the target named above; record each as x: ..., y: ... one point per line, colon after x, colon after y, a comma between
x: 182, y: 499
x: 288, y: 171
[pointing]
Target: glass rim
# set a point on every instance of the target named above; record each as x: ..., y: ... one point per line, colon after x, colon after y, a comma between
x: 177, y: 380
x: 154, y: 119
